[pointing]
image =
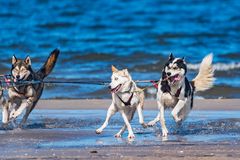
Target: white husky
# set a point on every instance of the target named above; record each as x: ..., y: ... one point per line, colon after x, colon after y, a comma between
x: 175, y: 91
x: 126, y: 98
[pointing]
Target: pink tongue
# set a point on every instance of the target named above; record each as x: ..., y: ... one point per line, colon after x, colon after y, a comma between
x: 177, y: 78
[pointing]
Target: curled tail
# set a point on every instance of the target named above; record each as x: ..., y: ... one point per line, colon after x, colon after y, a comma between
x: 49, y: 64
x: 205, y: 78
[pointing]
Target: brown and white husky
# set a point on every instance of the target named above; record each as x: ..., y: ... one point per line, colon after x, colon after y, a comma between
x: 25, y: 97
x: 126, y: 99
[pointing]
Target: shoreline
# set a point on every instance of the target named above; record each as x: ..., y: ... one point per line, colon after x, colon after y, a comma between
x: 65, y: 129
x: 94, y: 104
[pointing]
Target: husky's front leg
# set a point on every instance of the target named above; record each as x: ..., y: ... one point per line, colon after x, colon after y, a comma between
x: 111, y: 111
x: 4, y: 104
x: 25, y: 104
x: 162, y: 120
x: 5, y: 114
x: 25, y: 117
x: 126, y: 121
x: 160, y: 117
x: 11, y: 109
x: 177, y: 109
x: 31, y: 94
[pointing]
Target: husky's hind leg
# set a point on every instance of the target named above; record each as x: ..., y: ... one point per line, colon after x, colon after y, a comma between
x: 185, y: 111
x: 119, y: 134
x: 127, y: 123
x: 140, y: 114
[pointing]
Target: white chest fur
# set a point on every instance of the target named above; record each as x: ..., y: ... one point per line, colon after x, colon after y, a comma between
x: 168, y: 100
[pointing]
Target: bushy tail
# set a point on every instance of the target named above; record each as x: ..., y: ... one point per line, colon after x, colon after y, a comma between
x: 205, y: 78
x: 49, y: 64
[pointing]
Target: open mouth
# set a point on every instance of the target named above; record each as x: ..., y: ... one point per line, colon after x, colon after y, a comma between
x: 175, y: 78
x: 116, y: 89
x: 18, y: 79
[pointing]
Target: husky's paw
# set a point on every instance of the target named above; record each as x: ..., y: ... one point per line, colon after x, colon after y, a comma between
x: 176, y: 118
x: 179, y: 124
x: 118, y: 135
x: 131, y: 136
x: 164, y: 132
x: 21, y: 125
x: 151, y: 123
x: 144, y: 125
x: 5, y: 125
x: 13, y: 115
x: 16, y: 130
x: 98, y: 131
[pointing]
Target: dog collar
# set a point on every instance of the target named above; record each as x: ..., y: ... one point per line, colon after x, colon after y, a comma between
x: 130, y: 88
x: 178, y: 92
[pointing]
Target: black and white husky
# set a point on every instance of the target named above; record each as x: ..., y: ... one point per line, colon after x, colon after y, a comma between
x: 175, y: 91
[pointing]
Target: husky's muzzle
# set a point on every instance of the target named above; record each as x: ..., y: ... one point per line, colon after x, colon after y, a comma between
x: 175, y: 78
x: 17, y: 78
x: 116, y: 89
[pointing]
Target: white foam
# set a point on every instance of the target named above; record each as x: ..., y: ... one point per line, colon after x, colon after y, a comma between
x: 217, y: 66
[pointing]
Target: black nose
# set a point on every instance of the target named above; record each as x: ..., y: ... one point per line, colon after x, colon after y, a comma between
x: 17, y: 76
x: 168, y: 73
x: 109, y: 87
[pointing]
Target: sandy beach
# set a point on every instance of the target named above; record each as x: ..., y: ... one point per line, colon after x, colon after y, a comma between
x: 152, y: 40
x: 199, y: 104
x: 65, y: 129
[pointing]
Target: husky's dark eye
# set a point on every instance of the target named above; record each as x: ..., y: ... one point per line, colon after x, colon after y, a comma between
x: 115, y: 78
x: 175, y: 68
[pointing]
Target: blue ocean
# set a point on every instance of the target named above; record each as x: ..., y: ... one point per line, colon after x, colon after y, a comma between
x: 137, y: 34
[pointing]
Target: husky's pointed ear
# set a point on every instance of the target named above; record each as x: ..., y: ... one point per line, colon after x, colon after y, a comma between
x: 125, y: 71
x: 114, y: 69
x: 28, y: 61
x: 14, y: 59
x: 171, y: 57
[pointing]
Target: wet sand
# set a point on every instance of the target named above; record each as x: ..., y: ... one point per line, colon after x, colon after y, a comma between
x: 199, y: 104
x: 189, y: 151
x: 64, y: 129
